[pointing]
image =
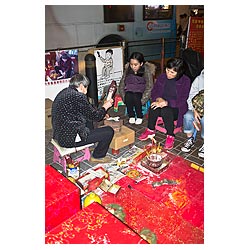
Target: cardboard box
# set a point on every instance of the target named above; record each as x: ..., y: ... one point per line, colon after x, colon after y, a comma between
x: 123, y: 138
x: 62, y: 198
x: 48, y: 106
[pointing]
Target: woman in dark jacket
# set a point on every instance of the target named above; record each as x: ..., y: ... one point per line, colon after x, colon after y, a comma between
x: 169, y: 100
x: 71, y: 114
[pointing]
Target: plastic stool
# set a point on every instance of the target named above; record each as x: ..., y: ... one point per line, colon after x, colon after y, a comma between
x: 144, y: 108
x: 162, y: 129
x: 60, y: 153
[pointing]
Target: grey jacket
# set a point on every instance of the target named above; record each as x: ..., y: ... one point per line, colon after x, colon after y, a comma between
x: 148, y: 75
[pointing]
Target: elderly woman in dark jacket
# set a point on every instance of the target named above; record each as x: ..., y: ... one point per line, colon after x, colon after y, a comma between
x: 169, y: 100
x: 72, y: 114
x: 135, y: 86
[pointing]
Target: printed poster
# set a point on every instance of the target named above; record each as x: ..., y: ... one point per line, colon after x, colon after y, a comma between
x: 60, y: 66
x: 109, y: 66
x: 195, y: 37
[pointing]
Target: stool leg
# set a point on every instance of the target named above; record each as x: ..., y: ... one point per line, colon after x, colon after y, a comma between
x: 115, y: 151
x: 56, y: 155
x: 86, y: 155
x: 64, y: 164
x: 58, y: 159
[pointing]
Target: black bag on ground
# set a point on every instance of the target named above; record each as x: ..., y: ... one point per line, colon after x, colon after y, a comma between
x: 193, y: 63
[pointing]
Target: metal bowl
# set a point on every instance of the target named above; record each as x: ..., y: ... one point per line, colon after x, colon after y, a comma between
x: 154, y: 160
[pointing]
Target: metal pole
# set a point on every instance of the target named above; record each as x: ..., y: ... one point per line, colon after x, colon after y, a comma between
x: 90, y: 69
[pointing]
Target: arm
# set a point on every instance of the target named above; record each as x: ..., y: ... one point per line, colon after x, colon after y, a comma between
x: 184, y: 90
x: 197, y: 85
x: 149, y: 85
x: 148, y: 75
x: 157, y: 90
x: 182, y: 96
x: 90, y: 112
x: 121, y: 87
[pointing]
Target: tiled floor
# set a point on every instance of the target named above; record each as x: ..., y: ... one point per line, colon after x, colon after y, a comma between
x: 160, y: 137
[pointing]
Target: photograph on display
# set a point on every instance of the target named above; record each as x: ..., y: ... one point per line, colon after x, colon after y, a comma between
x: 60, y: 64
x: 109, y: 67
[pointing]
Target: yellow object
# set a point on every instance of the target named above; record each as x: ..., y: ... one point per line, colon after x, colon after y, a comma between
x: 90, y: 198
x: 72, y: 179
x: 199, y: 168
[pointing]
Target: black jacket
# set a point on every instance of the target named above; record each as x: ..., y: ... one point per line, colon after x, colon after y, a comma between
x: 70, y: 111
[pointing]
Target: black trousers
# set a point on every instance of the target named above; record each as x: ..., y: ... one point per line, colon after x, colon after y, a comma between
x: 133, y: 100
x: 103, y: 136
x: 168, y: 114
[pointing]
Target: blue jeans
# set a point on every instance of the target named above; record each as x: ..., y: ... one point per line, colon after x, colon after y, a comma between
x: 188, y: 126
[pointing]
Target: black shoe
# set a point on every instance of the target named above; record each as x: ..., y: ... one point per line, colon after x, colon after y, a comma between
x: 188, y: 145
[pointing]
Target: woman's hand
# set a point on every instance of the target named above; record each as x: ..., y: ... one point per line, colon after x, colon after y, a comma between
x: 160, y: 103
x: 196, y: 116
x: 108, y: 104
x: 106, y: 116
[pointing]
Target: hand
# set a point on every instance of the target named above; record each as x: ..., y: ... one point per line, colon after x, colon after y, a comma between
x: 196, y: 116
x: 159, y: 104
x: 108, y: 104
x: 154, y: 105
x: 106, y: 116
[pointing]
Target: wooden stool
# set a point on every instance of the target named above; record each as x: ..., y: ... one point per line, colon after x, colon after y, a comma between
x: 61, y: 152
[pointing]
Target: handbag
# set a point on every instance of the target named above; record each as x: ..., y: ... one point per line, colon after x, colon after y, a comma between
x: 198, y: 102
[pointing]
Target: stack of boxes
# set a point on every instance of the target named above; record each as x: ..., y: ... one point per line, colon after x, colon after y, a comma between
x: 48, y: 106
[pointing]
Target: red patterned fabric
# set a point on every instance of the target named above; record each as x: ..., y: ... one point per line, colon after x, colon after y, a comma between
x: 143, y: 214
x: 93, y: 225
x: 62, y: 198
x: 164, y: 208
x: 186, y: 198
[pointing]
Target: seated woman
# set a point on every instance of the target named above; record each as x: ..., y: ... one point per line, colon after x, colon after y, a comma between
x: 194, y: 116
x: 135, y: 86
x: 169, y: 100
x: 72, y: 117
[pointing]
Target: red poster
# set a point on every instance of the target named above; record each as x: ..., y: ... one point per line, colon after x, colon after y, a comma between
x: 195, y: 38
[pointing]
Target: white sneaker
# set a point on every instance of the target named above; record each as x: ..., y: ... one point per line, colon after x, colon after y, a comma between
x: 131, y: 120
x: 138, y: 121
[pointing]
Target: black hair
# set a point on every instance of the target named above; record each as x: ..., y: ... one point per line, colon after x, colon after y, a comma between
x: 140, y: 58
x: 177, y: 65
x: 109, y: 51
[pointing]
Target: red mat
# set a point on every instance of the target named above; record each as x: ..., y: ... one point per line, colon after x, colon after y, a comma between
x: 93, y: 225
x: 151, y: 219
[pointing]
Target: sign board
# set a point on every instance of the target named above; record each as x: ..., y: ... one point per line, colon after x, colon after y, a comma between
x: 109, y: 66
x: 195, y: 35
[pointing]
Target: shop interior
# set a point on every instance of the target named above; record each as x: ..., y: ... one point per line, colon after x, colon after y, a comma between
x: 126, y: 201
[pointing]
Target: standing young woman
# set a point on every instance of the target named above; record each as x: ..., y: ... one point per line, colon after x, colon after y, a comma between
x: 169, y: 100
x: 135, y: 86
